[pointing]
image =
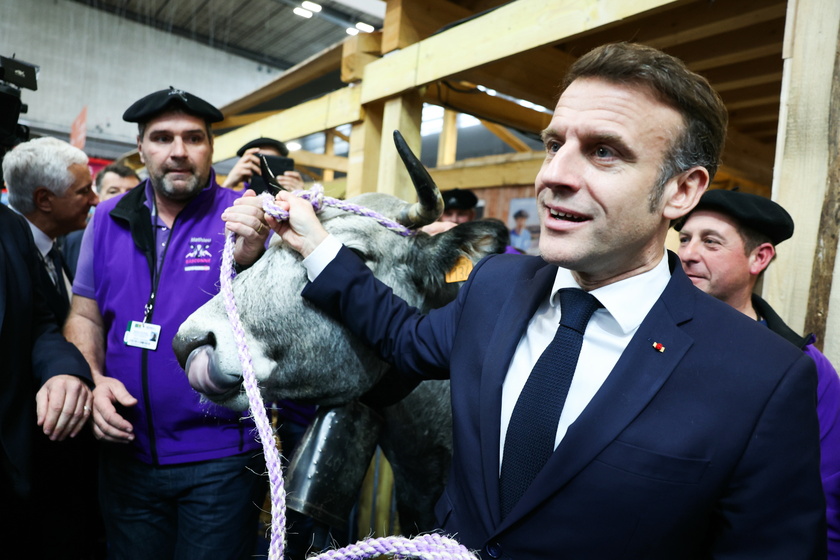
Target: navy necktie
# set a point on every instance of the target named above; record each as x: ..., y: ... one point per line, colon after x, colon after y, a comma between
x: 529, y: 441
x: 58, y: 269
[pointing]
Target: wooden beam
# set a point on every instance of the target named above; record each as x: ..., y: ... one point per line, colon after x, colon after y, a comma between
x: 321, y: 161
x: 506, y: 136
x: 799, y: 284
x: 236, y: 121
x: 363, y: 154
x: 524, y: 75
x: 825, y: 255
x: 462, y: 98
x: 358, y: 52
x: 408, y: 21
x: 748, y: 158
x: 328, y: 111
x: 692, y: 22
x: 735, y: 55
x: 329, y: 150
x: 320, y: 64
x: 491, y: 171
x: 756, y: 102
x: 511, y: 29
x: 448, y: 138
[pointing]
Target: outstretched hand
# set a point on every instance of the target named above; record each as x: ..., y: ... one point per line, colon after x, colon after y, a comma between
x: 303, y: 231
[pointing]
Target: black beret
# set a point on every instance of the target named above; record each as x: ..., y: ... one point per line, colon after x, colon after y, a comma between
x: 143, y: 110
x: 750, y: 210
x: 260, y: 142
x: 458, y: 199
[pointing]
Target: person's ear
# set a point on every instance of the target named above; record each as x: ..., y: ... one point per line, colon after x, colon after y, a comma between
x: 683, y: 192
x: 43, y: 199
x: 139, y: 151
x: 760, y: 258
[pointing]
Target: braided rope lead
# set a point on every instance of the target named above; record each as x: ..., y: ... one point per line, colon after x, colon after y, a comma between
x: 249, y: 381
x: 427, y: 547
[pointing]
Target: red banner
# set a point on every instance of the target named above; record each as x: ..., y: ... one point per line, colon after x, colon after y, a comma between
x: 78, y: 130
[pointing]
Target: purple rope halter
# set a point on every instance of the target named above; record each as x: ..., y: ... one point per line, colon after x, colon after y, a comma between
x: 429, y: 546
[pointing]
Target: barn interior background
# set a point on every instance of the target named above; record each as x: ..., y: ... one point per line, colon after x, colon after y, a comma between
x: 470, y: 83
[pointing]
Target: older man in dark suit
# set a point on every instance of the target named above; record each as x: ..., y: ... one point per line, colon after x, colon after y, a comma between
x: 655, y: 422
x: 44, y: 381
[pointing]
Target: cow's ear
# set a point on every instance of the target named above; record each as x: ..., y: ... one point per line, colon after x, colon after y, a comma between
x: 442, y: 262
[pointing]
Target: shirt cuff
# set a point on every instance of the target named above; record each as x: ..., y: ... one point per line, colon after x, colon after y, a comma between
x: 323, y: 255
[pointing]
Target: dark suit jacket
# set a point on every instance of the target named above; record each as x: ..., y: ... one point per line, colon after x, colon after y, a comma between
x: 31, y: 350
x: 70, y: 246
x: 709, y: 448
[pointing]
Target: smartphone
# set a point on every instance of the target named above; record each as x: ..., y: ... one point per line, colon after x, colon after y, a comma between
x: 270, y: 167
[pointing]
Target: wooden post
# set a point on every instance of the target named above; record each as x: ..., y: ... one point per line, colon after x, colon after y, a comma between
x: 404, y: 114
x: 363, y: 155
x: 799, y: 285
x: 329, y: 150
x: 448, y: 139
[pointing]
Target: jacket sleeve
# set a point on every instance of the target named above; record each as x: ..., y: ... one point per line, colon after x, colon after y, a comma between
x: 52, y: 354
x: 416, y: 344
x: 773, y: 506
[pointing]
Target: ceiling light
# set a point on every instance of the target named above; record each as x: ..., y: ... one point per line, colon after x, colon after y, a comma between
x: 311, y: 6
x: 302, y: 13
x: 352, y: 31
x: 293, y: 146
x: 365, y: 28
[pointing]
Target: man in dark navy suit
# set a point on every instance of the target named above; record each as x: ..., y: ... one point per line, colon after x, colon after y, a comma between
x: 688, y: 431
x: 50, y: 184
x: 44, y: 381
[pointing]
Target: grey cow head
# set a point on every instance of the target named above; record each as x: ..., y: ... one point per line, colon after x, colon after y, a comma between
x: 300, y: 353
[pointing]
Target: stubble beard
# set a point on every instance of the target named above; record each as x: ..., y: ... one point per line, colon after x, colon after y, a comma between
x: 183, y: 192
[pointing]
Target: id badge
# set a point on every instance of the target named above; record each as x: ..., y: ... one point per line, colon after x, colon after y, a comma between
x: 142, y: 335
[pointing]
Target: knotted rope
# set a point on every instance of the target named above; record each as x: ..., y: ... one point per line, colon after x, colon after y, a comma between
x: 429, y: 546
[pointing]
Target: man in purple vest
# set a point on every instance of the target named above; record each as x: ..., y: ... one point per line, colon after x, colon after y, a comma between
x: 179, y: 478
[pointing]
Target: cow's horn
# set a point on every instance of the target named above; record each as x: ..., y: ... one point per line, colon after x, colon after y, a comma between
x: 430, y: 203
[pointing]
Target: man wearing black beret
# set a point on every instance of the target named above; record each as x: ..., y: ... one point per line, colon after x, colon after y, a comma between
x: 459, y: 206
x: 178, y: 477
x: 726, y: 244
x: 248, y: 165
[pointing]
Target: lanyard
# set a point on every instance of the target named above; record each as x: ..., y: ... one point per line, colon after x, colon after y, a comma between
x: 158, y: 265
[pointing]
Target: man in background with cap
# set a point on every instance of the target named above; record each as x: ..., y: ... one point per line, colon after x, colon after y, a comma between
x: 458, y: 208
x: 726, y: 244
x: 249, y: 164
x: 179, y: 478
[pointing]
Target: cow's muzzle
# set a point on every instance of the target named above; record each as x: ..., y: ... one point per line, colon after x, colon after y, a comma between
x: 197, y: 355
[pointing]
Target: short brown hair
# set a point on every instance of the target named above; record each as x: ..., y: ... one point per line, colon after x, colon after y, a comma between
x: 667, y: 77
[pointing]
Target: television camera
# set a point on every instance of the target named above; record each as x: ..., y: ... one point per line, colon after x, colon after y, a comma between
x: 14, y: 75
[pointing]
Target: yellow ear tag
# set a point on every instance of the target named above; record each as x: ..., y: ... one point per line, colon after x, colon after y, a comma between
x: 460, y: 271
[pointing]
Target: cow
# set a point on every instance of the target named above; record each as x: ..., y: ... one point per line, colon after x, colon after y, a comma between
x: 302, y: 354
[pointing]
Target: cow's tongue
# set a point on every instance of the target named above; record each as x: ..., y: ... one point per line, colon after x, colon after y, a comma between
x: 204, y: 375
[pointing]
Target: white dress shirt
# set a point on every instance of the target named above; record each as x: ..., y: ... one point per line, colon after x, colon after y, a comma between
x: 626, y: 304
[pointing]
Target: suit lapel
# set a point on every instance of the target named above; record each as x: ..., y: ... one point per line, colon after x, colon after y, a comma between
x: 633, y: 383
x: 526, y: 296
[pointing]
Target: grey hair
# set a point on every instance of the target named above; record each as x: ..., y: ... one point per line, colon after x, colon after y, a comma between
x: 42, y: 162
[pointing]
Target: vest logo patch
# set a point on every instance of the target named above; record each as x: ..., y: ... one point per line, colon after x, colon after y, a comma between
x: 199, y: 257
